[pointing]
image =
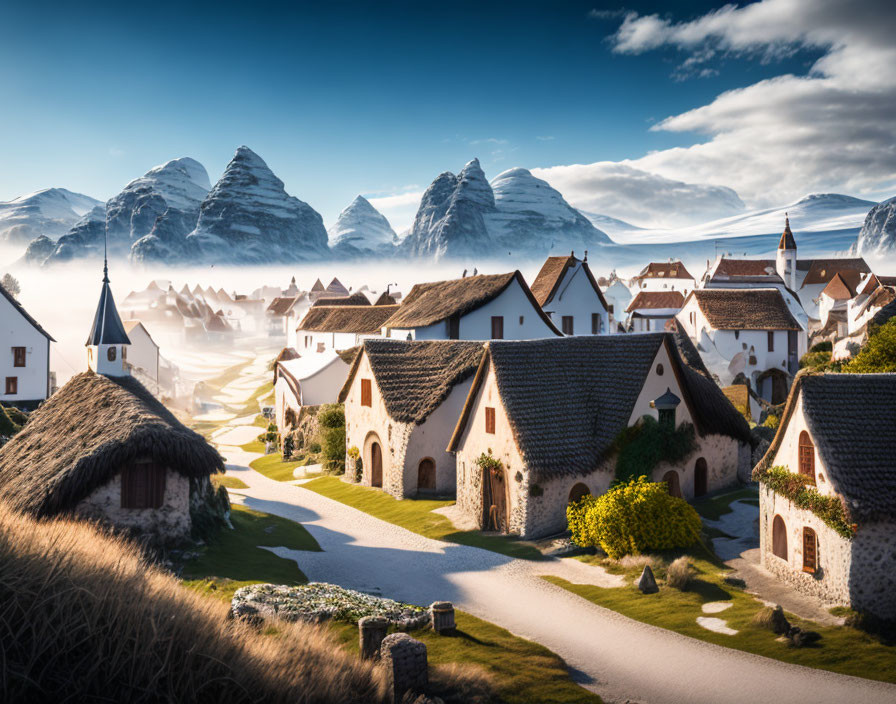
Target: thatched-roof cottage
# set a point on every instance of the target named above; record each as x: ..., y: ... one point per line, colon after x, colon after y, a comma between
x: 546, y: 416
x: 104, y: 448
x: 339, y: 327
x: 402, y: 400
x: 495, y: 306
x: 567, y: 291
x: 837, y: 435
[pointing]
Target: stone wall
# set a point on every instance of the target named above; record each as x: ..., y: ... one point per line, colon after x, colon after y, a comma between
x: 872, y: 579
x: 171, y: 521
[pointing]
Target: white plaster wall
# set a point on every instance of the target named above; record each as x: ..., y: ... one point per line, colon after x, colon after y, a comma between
x: 576, y: 297
x: 808, y: 298
x: 170, y: 521
x: 143, y: 352
x: 325, y: 385
x: 668, y: 284
x: 284, y: 398
x: 788, y: 451
x: 16, y: 331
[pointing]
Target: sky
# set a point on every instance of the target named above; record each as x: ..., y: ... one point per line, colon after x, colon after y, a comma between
x: 660, y: 113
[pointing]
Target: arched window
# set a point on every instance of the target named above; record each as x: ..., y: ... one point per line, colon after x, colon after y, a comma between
x: 110, y: 354
x: 426, y: 475
x: 578, y: 492
x: 810, y: 550
x: 671, y: 479
x: 807, y: 456
x: 779, y: 538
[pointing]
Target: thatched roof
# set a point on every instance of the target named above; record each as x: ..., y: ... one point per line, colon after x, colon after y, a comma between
x: 356, y: 299
x: 656, y: 300
x: 361, y: 320
x: 434, y: 302
x: 281, y: 305
x: 85, y: 434
x: 745, y: 308
x: 415, y: 377
x: 24, y: 313
x: 568, y: 398
x: 552, y: 273
x: 852, y: 421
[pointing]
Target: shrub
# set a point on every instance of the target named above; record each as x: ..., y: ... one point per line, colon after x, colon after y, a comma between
x: 314, y: 448
x: 878, y: 354
x: 644, y: 445
x: 7, y: 427
x: 332, y: 430
x: 16, y: 416
x: 633, y: 517
x: 797, y: 488
x: 680, y: 573
x: 771, y: 421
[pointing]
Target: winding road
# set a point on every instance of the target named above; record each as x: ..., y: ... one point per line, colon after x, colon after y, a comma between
x: 621, y: 659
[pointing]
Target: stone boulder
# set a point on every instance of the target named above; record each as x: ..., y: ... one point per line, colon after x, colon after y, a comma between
x: 647, y: 582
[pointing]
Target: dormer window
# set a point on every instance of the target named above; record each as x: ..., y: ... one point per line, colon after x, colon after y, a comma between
x: 807, y: 456
x: 111, y: 354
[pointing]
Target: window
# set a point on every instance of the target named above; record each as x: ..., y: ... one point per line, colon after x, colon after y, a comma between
x: 810, y: 551
x: 807, y: 456
x: 18, y: 356
x: 693, y: 319
x: 111, y: 354
x: 779, y: 538
x: 771, y: 340
x: 454, y: 327
x: 143, y: 485
x: 737, y: 334
x: 610, y: 309
x: 597, y: 324
x: 366, y: 392
x: 567, y: 325
x: 667, y: 417
x: 497, y: 327
x: 578, y: 492
x: 12, y: 385
x: 490, y: 420
x: 659, y: 370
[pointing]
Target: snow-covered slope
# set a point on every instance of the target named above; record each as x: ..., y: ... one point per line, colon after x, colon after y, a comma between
x: 249, y: 217
x: 50, y: 212
x: 361, y: 230
x: 612, y: 226
x: 878, y: 233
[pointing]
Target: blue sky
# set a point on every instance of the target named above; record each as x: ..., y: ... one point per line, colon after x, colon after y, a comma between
x: 343, y: 98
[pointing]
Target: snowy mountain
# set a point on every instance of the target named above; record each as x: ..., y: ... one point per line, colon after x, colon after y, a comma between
x: 175, y: 187
x: 361, y: 230
x: 248, y: 217
x: 878, y: 233
x: 611, y: 226
x: 50, y: 212
x: 465, y: 215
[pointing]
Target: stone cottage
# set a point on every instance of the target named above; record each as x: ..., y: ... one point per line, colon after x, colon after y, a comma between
x: 402, y: 400
x: 838, y: 432
x: 545, y: 414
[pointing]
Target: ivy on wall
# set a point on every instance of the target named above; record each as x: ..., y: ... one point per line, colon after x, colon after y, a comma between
x: 641, y: 447
x: 798, y: 489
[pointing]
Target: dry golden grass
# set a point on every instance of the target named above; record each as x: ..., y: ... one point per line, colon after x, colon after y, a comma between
x: 84, y: 617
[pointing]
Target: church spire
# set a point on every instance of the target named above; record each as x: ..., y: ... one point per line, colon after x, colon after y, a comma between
x: 787, y: 240
x: 105, y: 354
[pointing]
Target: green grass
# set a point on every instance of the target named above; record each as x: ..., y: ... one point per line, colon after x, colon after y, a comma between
x: 228, y: 482
x: 522, y: 672
x: 234, y: 558
x: 417, y: 515
x: 717, y: 506
x: 841, y: 649
x: 273, y: 467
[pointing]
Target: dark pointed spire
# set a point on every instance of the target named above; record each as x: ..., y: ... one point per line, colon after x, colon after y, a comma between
x: 107, y: 327
x: 787, y: 239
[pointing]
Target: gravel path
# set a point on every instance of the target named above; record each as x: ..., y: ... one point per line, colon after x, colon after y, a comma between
x: 621, y: 659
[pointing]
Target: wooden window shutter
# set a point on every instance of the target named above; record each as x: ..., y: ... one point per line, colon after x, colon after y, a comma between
x: 454, y: 327
x: 490, y: 420
x: 497, y: 327
x: 771, y: 340
x: 143, y: 485
x: 807, y: 456
x: 810, y: 551
x: 18, y: 354
x: 567, y: 323
x: 12, y: 385
x: 366, y: 392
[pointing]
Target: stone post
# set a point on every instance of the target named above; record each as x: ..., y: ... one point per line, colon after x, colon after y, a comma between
x: 442, y: 616
x: 404, y: 660
x: 371, y: 631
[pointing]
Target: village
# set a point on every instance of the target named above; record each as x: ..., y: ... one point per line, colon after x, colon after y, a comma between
x: 484, y: 453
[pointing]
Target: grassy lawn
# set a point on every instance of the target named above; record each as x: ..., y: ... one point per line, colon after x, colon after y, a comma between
x: 234, y: 559
x: 417, y: 516
x: 228, y: 482
x: 522, y: 672
x: 715, y: 507
x: 841, y: 649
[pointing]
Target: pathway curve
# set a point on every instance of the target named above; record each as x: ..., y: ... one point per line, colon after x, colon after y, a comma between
x: 621, y: 659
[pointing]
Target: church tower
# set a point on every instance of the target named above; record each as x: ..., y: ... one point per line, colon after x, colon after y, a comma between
x: 785, y: 262
x: 108, y: 342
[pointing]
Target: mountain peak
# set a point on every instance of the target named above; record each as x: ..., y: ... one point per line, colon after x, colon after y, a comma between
x: 361, y: 229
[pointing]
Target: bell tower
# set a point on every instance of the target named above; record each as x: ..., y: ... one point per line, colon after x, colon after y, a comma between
x: 785, y: 262
x: 108, y: 342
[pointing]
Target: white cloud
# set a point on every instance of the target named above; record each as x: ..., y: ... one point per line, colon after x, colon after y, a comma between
x: 781, y: 138
x: 399, y: 209
x: 488, y: 140
x: 641, y: 198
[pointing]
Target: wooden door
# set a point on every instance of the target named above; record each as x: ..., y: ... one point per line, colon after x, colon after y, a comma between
x: 671, y: 479
x: 810, y: 550
x: 793, y: 361
x: 494, y: 500
x: 376, y: 465
x: 497, y: 327
x: 701, y: 477
x: 426, y: 475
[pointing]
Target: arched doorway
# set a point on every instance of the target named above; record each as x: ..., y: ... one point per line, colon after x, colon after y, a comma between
x: 426, y: 475
x: 376, y: 464
x: 671, y: 479
x: 701, y: 477
x: 494, y: 499
x: 779, y: 538
x: 578, y: 492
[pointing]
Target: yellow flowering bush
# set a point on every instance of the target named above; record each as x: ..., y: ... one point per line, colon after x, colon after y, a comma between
x: 633, y: 517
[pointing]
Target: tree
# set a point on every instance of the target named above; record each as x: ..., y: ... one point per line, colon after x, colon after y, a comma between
x: 332, y: 431
x: 11, y: 284
x: 878, y: 354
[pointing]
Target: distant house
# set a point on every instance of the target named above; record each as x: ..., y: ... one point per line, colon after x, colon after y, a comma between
x: 750, y: 332
x: 549, y: 413
x: 311, y: 380
x: 143, y: 352
x: 354, y: 299
x: 649, y: 311
x: 566, y: 290
x: 833, y: 301
x: 664, y: 276
x: 340, y: 327
x: 838, y: 434
x: 402, y: 400
x: 496, y: 306
x: 816, y: 274
x: 618, y: 296
x: 277, y: 315
x: 25, y: 361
